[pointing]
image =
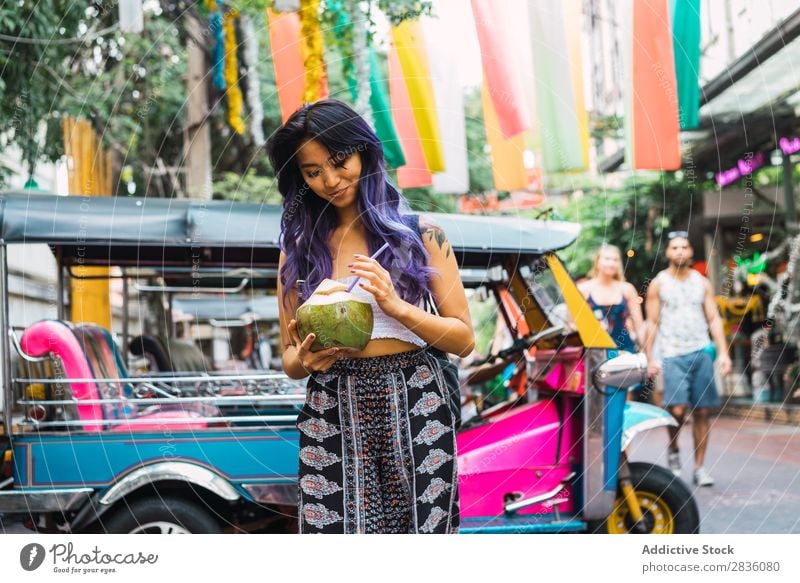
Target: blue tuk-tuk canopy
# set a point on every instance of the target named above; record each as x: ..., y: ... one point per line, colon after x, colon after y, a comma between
x: 87, y: 230
x: 263, y: 308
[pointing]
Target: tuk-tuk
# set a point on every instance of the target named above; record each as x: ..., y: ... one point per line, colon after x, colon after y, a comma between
x: 89, y: 447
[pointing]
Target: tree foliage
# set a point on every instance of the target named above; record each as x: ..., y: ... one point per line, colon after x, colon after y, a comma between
x: 32, y: 67
x: 635, y: 218
x: 132, y: 87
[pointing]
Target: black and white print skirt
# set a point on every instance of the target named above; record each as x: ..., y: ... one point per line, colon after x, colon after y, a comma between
x: 378, y: 448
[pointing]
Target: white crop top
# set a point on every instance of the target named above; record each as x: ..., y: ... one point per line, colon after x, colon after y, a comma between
x: 385, y: 326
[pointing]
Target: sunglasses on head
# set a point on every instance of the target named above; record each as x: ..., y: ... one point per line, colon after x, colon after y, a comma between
x: 677, y: 235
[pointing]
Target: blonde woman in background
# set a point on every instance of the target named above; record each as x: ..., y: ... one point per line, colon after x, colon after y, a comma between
x: 613, y: 300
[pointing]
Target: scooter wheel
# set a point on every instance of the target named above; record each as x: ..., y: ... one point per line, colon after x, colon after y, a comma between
x: 153, y: 515
x: 667, y: 504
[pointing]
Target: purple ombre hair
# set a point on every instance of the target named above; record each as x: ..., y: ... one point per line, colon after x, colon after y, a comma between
x: 308, y: 220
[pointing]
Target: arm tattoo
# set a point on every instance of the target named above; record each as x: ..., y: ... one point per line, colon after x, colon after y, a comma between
x: 437, y: 233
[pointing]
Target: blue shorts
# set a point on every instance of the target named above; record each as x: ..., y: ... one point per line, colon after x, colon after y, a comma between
x: 689, y: 380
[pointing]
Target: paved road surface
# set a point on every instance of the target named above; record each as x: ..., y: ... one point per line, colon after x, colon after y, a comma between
x: 757, y: 470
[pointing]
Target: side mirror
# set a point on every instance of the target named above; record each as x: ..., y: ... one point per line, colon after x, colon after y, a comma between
x: 622, y: 371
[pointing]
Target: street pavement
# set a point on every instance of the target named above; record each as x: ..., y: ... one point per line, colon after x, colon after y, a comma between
x: 756, y: 466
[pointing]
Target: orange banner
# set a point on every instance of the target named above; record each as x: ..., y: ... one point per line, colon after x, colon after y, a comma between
x: 653, y: 109
x: 288, y: 58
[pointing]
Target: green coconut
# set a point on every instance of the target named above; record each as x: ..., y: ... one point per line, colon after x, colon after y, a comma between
x: 337, y: 318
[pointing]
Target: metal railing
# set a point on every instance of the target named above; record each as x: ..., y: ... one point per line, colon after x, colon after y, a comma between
x: 261, y: 391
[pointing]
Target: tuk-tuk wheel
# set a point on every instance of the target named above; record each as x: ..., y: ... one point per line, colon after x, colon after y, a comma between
x: 160, y: 516
x: 667, y: 504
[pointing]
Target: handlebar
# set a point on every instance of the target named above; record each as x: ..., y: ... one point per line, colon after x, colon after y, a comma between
x: 521, y: 345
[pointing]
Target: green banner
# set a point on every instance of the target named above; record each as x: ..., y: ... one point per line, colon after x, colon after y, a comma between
x: 686, y: 45
x: 382, y: 114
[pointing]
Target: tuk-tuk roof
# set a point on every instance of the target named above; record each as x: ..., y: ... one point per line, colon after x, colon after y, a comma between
x: 88, y: 230
x: 264, y: 308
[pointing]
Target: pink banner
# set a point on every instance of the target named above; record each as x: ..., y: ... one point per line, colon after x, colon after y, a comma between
x: 500, y: 64
x: 415, y: 172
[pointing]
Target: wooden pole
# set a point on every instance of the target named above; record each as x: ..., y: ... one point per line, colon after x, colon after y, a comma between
x: 197, y: 137
x: 89, y: 175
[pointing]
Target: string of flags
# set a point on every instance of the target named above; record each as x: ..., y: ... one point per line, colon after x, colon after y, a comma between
x: 411, y: 93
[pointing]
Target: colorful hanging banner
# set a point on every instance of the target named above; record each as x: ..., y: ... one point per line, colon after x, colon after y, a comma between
x: 563, y: 123
x: 415, y: 172
x: 233, y: 93
x: 313, y: 61
x: 686, y: 46
x: 288, y: 60
x: 498, y: 56
x: 286, y: 5
x: 250, y: 55
x: 651, y: 117
x: 361, y: 62
x: 409, y: 43
x: 508, y: 167
x: 338, y: 33
x: 449, y: 96
x: 382, y: 114
x: 218, y: 50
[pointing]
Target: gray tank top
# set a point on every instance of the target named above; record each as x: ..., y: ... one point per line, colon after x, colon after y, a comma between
x: 683, y: 328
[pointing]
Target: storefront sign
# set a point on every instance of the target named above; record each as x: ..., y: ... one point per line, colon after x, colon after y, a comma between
x: 789, y: 146
x: 744, y: 166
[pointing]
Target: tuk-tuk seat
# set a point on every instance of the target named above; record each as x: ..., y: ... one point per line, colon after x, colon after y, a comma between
x: 151, y: 348
x: 169, y: 355
x: 87, y: 351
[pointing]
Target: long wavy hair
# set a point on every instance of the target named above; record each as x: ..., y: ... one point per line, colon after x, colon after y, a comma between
x: 595, y: 271
x: 308, y: 220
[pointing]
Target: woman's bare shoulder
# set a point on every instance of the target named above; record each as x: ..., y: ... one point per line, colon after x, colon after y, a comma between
x: 427, y: 224
x: 628, y: 290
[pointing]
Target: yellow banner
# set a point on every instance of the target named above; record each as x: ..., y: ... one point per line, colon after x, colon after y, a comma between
x: 410, y: 44
x: 508, y: 168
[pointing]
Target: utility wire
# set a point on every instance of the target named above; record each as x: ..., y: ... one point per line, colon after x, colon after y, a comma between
x: 58, y: 41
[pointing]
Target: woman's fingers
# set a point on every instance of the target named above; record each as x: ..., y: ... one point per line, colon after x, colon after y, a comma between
x: 369, y: 287
x: 316, y: 357
x: 321, y: 360
x: 368, y: 277
x: 369, y: 261
x: 295, y: 335
x: 308, y: 342
x: 327, y: 363
x: 371, y: 266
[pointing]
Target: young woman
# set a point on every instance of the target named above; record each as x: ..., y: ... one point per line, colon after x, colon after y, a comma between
x: 614, y: 300
x: 377, y: 439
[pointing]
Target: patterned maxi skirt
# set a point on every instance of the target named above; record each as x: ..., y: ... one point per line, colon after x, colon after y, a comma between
x: 378, y: 448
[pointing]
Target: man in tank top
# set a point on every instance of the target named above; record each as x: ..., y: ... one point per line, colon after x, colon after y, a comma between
x: 681, y: 311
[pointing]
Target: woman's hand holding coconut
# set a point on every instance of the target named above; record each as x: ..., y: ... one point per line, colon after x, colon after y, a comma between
x: 320, y: 360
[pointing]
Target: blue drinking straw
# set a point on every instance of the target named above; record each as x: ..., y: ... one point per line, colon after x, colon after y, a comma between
x: 373, y: 256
